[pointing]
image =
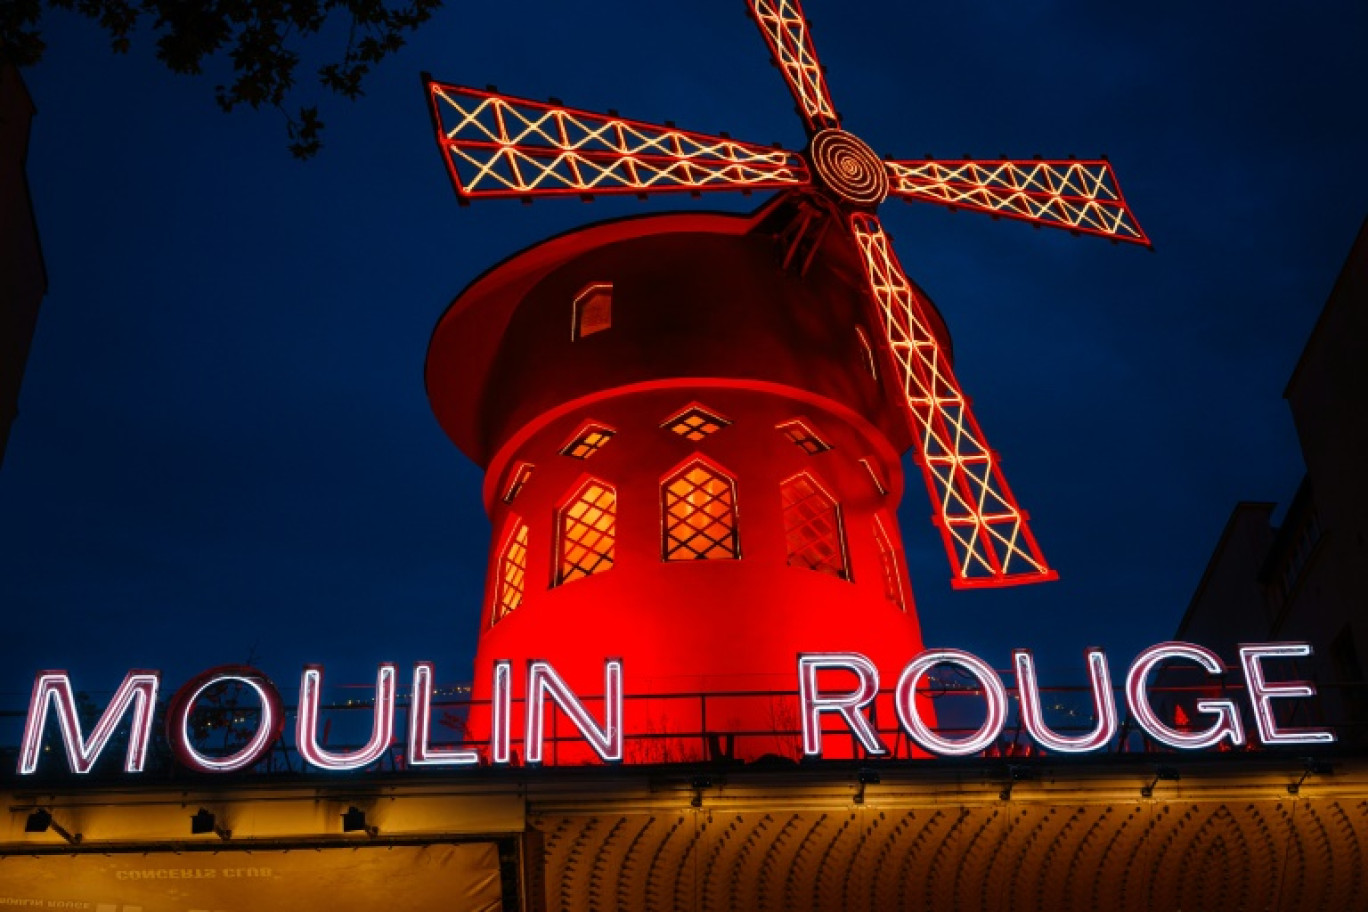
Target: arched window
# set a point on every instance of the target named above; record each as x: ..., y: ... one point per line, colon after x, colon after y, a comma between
x: 803, y: 437
x: 695, y: 423
x: 698, y: 504
x: 812, y: 527
x: 888, y: 563
x: 512, y: 571
x: 587, y: 529
x: 587, y: 441
x: 520, y: 476
x: 593, y: 310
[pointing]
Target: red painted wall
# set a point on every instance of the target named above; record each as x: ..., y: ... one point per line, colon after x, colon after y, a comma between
x: 705, y: 318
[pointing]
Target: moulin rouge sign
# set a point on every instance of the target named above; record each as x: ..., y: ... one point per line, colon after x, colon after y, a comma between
x: 1219, y: 719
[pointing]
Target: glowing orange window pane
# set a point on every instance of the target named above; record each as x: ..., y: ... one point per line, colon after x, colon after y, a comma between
x: 888, y: 561
x: 700, y: 516
x: 696, y: 423
x: 512, y: 573
x: 588, y: 529
x: 588, y: 442
x: 804, y: 437
x: 812, y: 527
x: 593, y: 310
x: 520, y: 478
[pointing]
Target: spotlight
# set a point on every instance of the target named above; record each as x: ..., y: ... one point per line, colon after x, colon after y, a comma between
x: 205, y: 822
x: 865, y: 777
x: 40, y: 821
x: 1313, y: 767
x: 354, y: 821
x: 1014, y: 775
x: 1162, y: 774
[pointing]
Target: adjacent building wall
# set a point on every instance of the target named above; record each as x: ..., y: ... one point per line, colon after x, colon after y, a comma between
x: 23, y: 281
x: 1307, y: 579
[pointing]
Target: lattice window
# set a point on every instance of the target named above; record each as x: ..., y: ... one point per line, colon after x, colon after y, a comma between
x: 519, y: 478
x: 868, y: 353
x: 888, y: 563
x: 804, y: 437
x: 695, y: 423
x: 512, y: 572
x: 588, y: 530
x: 590, y: 439
x: 812, y: 527
x: 593, y: 311
x: 699, y: 505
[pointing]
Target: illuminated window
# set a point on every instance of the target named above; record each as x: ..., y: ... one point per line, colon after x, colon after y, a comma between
x: 699, y: 505
x: 587, y: 442
x: 588, y: 529
x: 812, y: 527
x: 804, y: 437
x: 593, y: 311
x: 695, y: 423
x: 888, y: 561
x: 512, y: 572
x: 868, y: 352
x: 519, y: 478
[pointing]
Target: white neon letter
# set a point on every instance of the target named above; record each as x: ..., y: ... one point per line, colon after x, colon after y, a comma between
x: 183, y: 703
x: 1033, y: 716
x: 501, y: 711
x: 420, y: 752
x: 382, y: 730
x: 994, y: 694
x: 139, y: 690
x: 1261, y: 694
x: 1227, y: 725
x: 847, y: 705
x: 542, y: 681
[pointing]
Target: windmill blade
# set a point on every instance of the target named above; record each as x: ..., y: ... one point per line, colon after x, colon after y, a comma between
x: 790, y: 42
x: 496, y: 145
x: 985, y: 533
x: 1078, y: 196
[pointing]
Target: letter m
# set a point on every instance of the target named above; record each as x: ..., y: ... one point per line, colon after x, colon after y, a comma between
x: 53, y: 688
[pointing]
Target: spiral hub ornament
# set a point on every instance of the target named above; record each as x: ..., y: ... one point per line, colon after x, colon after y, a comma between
x: 847, y: 167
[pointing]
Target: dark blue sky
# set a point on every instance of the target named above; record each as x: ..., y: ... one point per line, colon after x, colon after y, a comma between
x: 225, y: 448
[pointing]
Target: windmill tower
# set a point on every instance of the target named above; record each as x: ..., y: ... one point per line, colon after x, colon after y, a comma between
x: 691, y: 423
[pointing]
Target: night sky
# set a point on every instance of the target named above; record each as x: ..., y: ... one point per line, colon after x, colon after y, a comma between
x: 225, y: 450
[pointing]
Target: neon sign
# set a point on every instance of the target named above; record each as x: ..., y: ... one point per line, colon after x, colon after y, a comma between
x: 847, y: 705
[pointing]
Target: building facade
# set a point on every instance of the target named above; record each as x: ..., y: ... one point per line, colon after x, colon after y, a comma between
x: 1304, y: 578
x: 23, y: 280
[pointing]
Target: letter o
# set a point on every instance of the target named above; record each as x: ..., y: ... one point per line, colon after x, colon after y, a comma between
x: 178, y: 719
x: 993, y: 691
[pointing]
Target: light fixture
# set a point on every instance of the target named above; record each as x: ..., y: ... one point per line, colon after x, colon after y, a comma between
x: 1162, y: 774
x: 865, y: 777
x: 40, y: 821
x: 1015, y: 774
x: 1313, y: 767
x: 699, y: 783
x: 205, y: 822
x: 354, y: 821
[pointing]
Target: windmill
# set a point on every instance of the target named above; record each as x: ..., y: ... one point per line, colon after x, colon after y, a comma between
x: 500, y: 146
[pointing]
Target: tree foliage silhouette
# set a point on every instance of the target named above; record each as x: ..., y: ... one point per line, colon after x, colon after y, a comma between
x: 261, y: 40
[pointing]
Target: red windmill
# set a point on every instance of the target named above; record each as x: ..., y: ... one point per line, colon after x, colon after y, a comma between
x: 500, y: 146
x: 497, y: 145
